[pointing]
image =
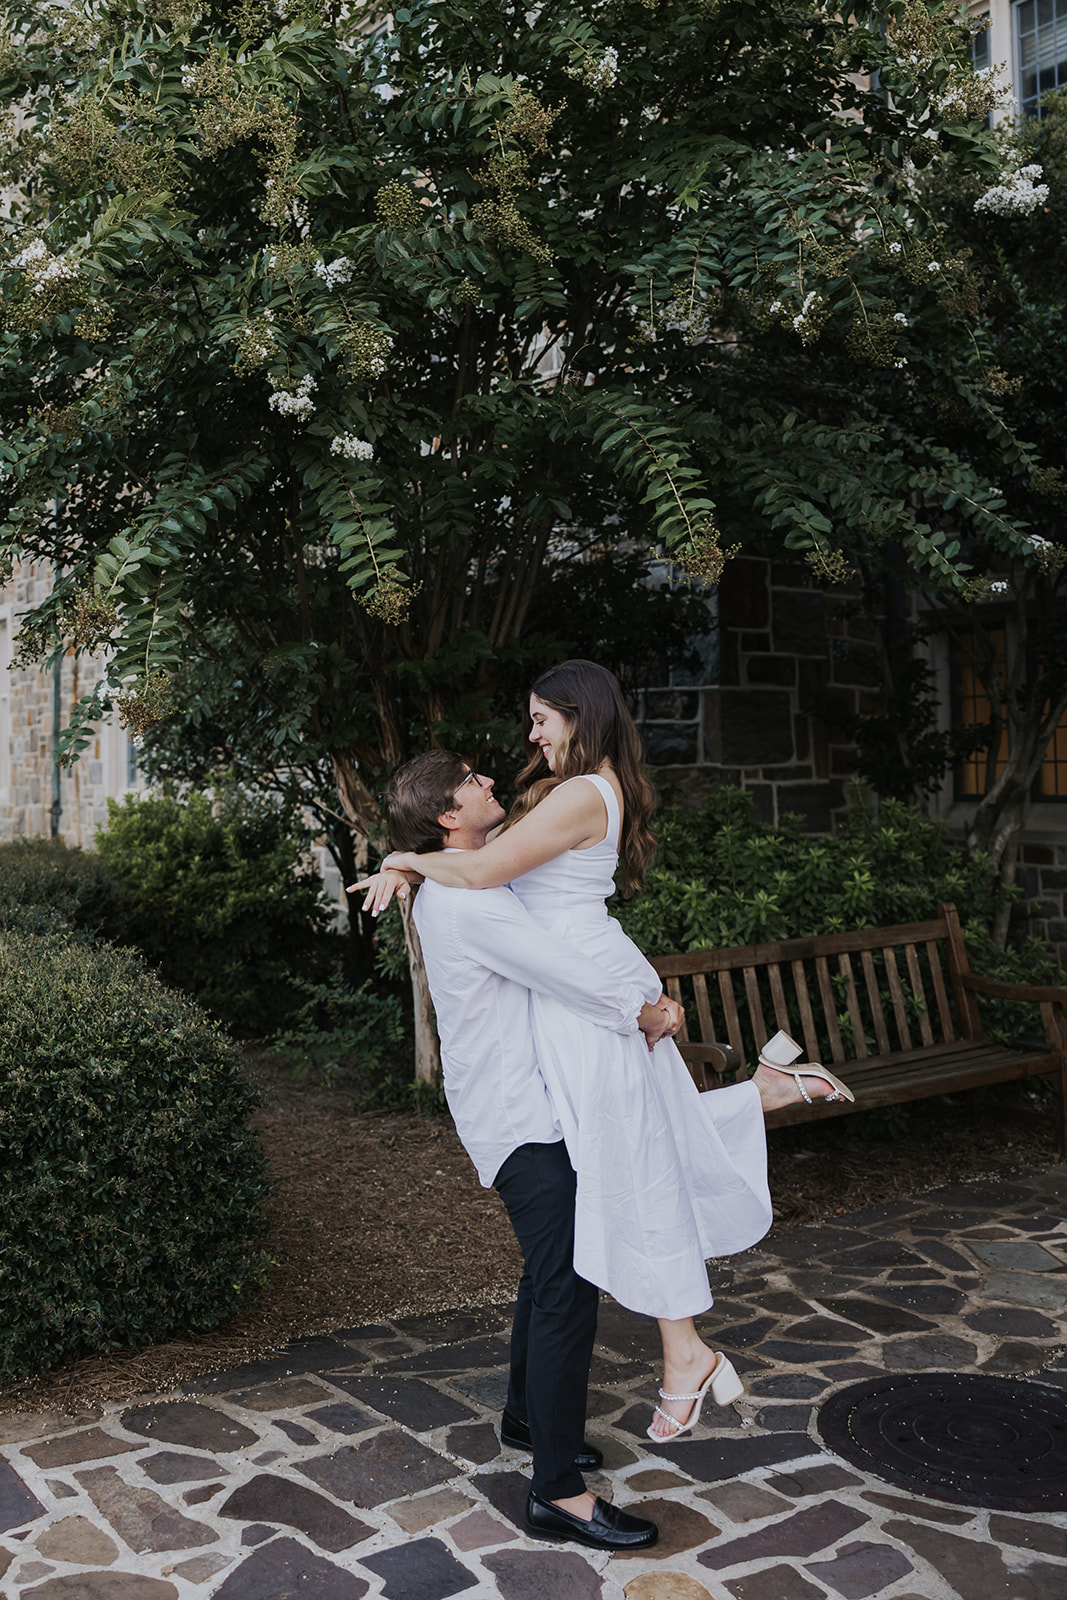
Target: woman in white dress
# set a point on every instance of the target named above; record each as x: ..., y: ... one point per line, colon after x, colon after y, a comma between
x: 667, y: 1177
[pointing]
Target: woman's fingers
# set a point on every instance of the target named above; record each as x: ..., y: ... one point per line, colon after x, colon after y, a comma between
x: 380, y: 888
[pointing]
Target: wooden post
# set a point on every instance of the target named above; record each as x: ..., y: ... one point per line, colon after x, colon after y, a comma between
x: 427, y: 1044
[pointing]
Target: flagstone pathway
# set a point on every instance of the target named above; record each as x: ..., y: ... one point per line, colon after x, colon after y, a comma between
x: 368, y: 1463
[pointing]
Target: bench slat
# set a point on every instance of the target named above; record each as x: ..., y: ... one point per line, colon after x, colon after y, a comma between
x: 948, y: 1032
x: 755, y: 1007
x: 859, y: 1038
x: 729, y: 1006
x: 758, y: 955
x: 899, y: 1011
x: 920, y: 993
x: 829, y: 1005
x: 781, y: 1010
x: 700, y: 986
x: 881, y: 1032
x: 807, y: 1021
x: 674, y: 989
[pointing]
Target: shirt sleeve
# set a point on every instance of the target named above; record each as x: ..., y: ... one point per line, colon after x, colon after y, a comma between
x: 495, y: 928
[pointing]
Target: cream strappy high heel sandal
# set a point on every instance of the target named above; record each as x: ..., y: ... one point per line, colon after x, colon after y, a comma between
x: 724, y: 1386
x: 786, y: 1051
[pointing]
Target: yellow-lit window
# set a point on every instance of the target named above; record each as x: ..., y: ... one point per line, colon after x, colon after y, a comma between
x: 1052, y: 779
x: 973, y: 708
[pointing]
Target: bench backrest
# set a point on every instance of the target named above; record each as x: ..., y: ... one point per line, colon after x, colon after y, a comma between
x: 856, y: 996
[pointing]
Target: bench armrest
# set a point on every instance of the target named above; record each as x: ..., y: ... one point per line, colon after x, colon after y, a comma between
x: 731, y: 1058
x: 1038, y: 993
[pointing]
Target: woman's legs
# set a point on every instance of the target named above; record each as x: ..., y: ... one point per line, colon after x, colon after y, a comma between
x: 687, y: 1361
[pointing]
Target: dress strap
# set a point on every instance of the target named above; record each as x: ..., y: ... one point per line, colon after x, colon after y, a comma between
x: 607, y: 794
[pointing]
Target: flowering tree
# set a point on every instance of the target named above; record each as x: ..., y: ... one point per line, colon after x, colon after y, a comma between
x: 327, y: 329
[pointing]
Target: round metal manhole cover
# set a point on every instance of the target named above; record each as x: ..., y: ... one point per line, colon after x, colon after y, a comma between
x: 977, y: 1441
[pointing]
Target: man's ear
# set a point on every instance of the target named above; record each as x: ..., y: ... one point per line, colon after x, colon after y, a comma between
x: 449, y: 821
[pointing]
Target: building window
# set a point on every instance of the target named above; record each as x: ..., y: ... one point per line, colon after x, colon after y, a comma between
x: 131, y: 764
x: 1041, y: 50
x: 973, y: 710
x: 980, y: 45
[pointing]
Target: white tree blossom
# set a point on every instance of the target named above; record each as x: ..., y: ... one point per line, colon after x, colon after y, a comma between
x: 1017, y: 195
x: 296, y: 402
x: 353, y: 449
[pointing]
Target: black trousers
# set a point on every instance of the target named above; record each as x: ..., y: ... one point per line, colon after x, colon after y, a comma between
x: 555, y: 1316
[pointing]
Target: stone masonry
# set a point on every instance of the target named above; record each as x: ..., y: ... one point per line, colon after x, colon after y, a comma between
x: 791, y: 659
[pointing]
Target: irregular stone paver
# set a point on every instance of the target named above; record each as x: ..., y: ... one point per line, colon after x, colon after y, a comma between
x: 140, y: 1516
x: 406, y: 1400
x: 174, y: 1466
x: 102, y: 1586
x: 18, y: 1425
x: 1015, y: 1320
x: 6, y: 1558
x: 75, y: 1539
x: 878, y: 1316
x: 427, y: 1509
x: 479, y: 1531
x: 861, y: 1569
x: 186, y: 1422
x: 788, y: 1386
x: 294, y: 1431
x: 90, y: 1444
x: 925, y: 1510
x: 1017, y: 1255
x: 665, y: 1586
x: 425, y: 1568
x: 280, y: 1396
x: 711, y: 1460
x: 256, y: 1534
x: 645, y: 1482
x: 283, y: 1569
x: 812, y: 1480
x: 543, y: 1575
x: 280, y: 1500
x: 378, y: 1469
x: 17, y: 1504
x: 930, y: 1350
x: 508, y: 1492
x: 303, y: 1355
x: 478, y: 1442
x: 198, y: 1569
x: 196, y: 1497
x: 799, y: 1535
x: 61, y: 1490
x: 775, y: 1583
x: 1026, y: 1289
x: 473, y: 1354
x: 975, y: 1568
x: 680, y: 1528
x: 343, y: 1417
x: 1027, y: 1535
x: 744, y: 1502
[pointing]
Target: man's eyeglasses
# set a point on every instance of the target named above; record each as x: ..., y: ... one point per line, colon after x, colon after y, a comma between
x: 467, y: 779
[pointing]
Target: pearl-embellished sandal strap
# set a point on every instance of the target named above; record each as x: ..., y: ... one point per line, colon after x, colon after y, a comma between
x: 665, y: 1396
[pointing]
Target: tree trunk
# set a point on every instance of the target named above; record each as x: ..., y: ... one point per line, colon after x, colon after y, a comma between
x: 427, y: 1044
x: 360, y: 805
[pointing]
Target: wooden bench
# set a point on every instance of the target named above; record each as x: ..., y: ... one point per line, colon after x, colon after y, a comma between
x: 893, y: 1011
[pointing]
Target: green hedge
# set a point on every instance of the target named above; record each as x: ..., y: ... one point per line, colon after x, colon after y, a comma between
x: 47, y: 875
x: 722, y: 878
x: 220, y: 895
x: 130, y: 1184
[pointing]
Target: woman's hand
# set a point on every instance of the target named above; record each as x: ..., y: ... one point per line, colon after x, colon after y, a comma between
x: 661, y: 1020
x: 381, y: 886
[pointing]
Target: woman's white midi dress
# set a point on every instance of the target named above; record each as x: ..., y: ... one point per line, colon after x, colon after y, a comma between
x: 667, y: 1177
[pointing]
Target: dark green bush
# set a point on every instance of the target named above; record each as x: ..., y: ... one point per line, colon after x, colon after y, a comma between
x: 129, y: 1182
x: 76, y: 884
x: 221, y: 897
x: 362, y: 1032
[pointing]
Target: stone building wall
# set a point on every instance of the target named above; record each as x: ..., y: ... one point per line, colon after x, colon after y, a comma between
x: 788, y: 659
x: 27, y: 712
x: 1042, y: 877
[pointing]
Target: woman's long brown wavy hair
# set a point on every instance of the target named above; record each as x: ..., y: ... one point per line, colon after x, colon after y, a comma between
x: 599, y: 729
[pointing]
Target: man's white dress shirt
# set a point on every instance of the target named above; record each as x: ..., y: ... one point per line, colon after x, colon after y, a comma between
x: 484, y: 954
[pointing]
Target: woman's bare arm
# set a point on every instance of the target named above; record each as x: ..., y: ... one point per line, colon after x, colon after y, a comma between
x: 571, y: 817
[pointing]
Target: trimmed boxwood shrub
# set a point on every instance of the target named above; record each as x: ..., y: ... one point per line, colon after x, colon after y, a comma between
x: 78, y: 884
x: 130, y: 1183
x: 221, y: 896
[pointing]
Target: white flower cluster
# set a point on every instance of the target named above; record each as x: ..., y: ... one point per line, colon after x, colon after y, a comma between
x: 334, y: 272
x: 297, y: 403
x: 999, y: 586
x: 900, y: 319
x: 353, y: 449
x: 597, y: 72
x: 1017, y: 195
x: 188, y: 77
x: 896, y: 248
x: 933, y: 266
x: 43, y: 268
x: 812, y: 302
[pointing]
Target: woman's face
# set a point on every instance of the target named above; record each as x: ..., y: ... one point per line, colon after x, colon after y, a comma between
x: 550, y: 729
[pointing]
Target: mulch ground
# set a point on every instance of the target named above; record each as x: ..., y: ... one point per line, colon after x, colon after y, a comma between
x: 377, y: 1215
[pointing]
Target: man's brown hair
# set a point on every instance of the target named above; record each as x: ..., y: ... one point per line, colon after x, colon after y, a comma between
x: 417, y: 794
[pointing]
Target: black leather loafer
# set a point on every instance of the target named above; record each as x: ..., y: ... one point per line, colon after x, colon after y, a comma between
x: 607, y: 1529
x: 516, y: 1433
